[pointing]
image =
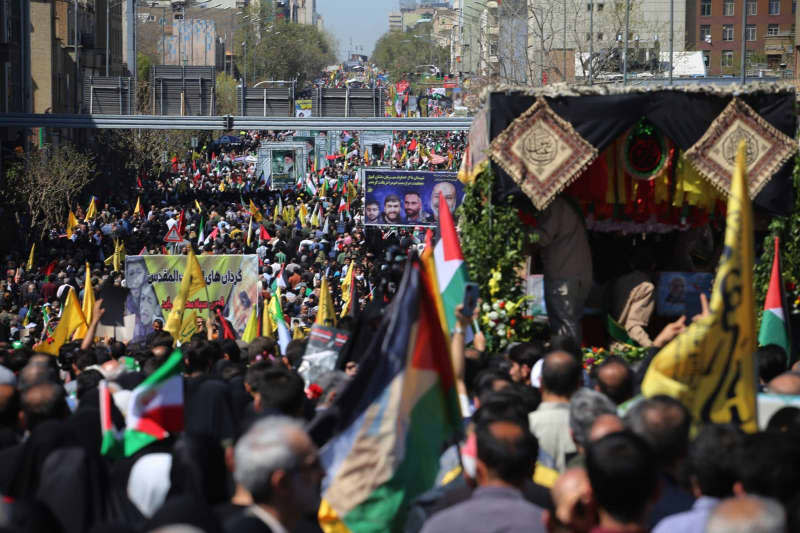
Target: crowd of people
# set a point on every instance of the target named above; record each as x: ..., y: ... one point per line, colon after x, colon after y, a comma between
x: 546, y: 446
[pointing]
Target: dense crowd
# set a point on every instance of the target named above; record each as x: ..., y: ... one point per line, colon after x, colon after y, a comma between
x: 547, y: 446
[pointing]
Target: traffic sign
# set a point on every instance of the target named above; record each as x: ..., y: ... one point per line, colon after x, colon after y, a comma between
x: 172, y: 235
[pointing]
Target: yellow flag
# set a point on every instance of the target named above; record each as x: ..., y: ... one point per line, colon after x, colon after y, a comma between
x: 29, y: 266
x: 71, y: 319
x: 298, y: 333
x: 326, y: 315
x: 118, y: 257
x: 197, y: 204
x: 250, y: 230
x: 138, y: 209
x: 267, y: 325
x: 315, y: 218
x: 276, y: 213
x: 303, y: 214
x: 347, y: 283
x: 72, y: 221
x: 710, y: 366
x: 192, y: 282
x: 88, y: 304
x: 91, y: 211
x: 255, y: 212
x: 251, y: 330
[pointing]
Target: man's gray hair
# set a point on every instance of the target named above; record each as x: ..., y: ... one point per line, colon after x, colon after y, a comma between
x: 747, y: 514
x: 584, y: 408
x: 264, y: 449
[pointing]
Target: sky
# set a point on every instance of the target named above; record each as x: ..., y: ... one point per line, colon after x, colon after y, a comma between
x: 363, y: 21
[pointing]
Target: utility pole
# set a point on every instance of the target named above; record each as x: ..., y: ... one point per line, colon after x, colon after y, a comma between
x: 744, y: 41
x: 77, y: 61
x: 108, y: 15
x: 625, y: 45
x: 591, y: 41
x: 163, y: 40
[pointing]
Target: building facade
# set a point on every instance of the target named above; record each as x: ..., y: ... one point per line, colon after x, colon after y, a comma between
x: 768, y: 34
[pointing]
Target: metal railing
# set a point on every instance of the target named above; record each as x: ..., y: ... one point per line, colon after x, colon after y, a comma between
x: 225, y: 123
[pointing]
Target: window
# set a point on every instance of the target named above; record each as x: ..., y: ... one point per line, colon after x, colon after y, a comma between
x: 600, y: 7
x: 774, y: 7
x: 705, y: 8
x: 588, y: 37
x: 752, y: 8
x: 705, y: 33
x: 773, y: 29
x: 727, y: 32
x: 599, y: 36
x: 707, y: 58
x: 727, y: 58
x: 748, y: 57
x: 750, y: 32
x: 588, y: 7
x: 727, y: 8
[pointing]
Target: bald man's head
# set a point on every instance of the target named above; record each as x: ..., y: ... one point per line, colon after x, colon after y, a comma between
x: 615, y: 380
x: 561, y: 374
x: 786, y: 383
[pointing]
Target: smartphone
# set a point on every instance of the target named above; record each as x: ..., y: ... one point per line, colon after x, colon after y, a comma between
x: 471, y: 294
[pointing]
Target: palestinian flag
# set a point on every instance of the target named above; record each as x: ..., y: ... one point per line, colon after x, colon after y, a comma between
x: 280, y: 281
x: 112, y: 443
x: 155, y: 409
x: 774, y: 327
x: 451, y: 270
x: 276, y: 315
x: 398, y: 413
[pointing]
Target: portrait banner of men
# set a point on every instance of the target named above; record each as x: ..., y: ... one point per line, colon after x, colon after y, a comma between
x: 408, y: 198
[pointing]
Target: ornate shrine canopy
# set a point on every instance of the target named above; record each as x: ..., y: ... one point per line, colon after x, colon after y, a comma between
x: 656, y: 155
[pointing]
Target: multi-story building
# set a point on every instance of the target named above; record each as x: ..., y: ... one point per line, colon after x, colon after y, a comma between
x: 57, y: 65
x: 768, y: 34
x: 395, y: 21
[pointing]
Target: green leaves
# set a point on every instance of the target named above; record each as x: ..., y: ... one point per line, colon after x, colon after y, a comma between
x: 493, y: 238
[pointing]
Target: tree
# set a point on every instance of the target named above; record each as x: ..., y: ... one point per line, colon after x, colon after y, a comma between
x: 144, y: 150
x: 280, y: 50
x: 546, y: 32
x: 226, y: 94
x: 45, y: 182
x: 143, y: 67
x: 399, y: 53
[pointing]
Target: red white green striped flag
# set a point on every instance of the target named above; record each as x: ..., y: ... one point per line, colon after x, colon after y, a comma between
x: 111, y: 444
x: 774, y: 328
x: 451, y: 270
x: 156, y: 406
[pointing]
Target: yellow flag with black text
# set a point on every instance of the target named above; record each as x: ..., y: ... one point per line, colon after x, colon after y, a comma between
x: 710, y: 367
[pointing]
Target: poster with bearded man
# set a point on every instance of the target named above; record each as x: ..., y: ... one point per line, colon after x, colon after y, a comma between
x: 408, y: 198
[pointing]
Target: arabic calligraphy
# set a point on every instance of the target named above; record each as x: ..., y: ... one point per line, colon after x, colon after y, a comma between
x: 167, y: 304
x: 226, y: 278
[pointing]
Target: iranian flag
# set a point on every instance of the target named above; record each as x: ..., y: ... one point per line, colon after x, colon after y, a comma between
x: 451, y: 271
x: 774, y: 328
x: 155, y: 409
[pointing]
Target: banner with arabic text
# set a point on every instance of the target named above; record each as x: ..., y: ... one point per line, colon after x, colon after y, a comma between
x: 153, y: 282
x: 408, y: 197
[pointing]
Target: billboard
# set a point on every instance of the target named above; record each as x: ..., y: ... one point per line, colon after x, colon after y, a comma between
x: 281, y: 164
x: 153, y: 282
x: 407, y: 197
